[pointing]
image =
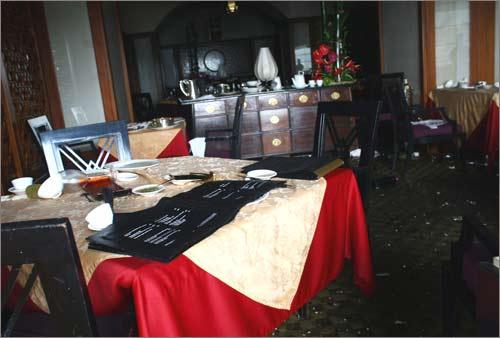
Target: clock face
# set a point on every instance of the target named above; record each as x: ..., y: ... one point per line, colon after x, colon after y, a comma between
x: 213, y: 60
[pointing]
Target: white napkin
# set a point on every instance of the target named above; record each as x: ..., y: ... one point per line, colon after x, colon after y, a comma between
x: 100, y: 217
x: 198, y: 146
x: 432, y: 124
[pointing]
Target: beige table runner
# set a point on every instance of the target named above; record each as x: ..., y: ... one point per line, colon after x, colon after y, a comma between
x: 467, y: 106
x: 261, y: 253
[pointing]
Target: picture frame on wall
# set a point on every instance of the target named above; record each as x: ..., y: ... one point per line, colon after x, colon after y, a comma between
x: 39, y: 125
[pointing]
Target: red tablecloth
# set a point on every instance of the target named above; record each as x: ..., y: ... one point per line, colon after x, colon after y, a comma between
x: 485, y: 137
x: 176, y: 147
x: 181, y: 299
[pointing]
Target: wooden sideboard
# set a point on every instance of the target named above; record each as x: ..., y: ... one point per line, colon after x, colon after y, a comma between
x: 274, y: 123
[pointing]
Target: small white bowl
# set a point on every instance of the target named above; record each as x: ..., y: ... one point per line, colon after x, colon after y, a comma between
x: 126, y: 177
x: 252, y: 83
x: 142, y: 190
x: 18, y: 192
x: 52, y: 187
x: 22, y: 183
x: 262, y: 174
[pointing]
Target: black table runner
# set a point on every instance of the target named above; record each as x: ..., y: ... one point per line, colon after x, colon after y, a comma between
x: 175, y: 224
x: 301, y: 168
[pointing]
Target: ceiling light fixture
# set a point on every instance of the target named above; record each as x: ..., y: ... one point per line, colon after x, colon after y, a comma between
x: 231, y: 7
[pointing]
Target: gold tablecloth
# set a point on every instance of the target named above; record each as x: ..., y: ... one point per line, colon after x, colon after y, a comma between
x: 466, y: 106
x: 261, y: 253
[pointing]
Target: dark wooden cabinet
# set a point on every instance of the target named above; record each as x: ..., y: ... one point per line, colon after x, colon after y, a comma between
x: 274, y: 123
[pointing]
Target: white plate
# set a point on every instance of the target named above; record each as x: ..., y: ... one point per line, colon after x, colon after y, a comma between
x: 137, y: 190
x: 19, y: 192
x: 132, y: 164
x: 126, y: 177
x: 260, y: 199
x: 262, y: 174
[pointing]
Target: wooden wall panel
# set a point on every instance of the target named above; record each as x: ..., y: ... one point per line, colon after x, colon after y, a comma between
x: 482, y: 41
x: 102, y: 60
x: 428, y: 47
x: 29, y: 88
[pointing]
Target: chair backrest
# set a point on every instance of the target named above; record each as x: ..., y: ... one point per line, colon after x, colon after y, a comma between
x: 143, y: 106
x: 57, y: 142
x: 238, y: 116
x: 393, y: 93
x: 50, y: 246
x: 364, y: 130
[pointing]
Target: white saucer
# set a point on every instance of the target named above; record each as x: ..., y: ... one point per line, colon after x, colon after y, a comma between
x: 137, y: 190
x: 262, y: 174
x: 126, y: 177
x: 19, y: 192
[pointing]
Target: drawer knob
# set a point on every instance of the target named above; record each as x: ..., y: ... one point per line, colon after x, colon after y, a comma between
x: 272, y: 101
x: 274, y: 119
x: 303, y: 98
x: 335, y: 95
x: 276, y: 142
x: 210, y: 108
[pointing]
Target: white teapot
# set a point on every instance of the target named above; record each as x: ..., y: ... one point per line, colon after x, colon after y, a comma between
x: 299, y: 80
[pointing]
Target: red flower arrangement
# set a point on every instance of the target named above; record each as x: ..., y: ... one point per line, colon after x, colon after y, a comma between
x: 326, y: 66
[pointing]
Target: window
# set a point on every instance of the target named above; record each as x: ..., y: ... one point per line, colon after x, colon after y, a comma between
x: 452, y: 26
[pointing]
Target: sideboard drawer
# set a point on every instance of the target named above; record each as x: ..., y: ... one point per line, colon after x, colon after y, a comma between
x: 209, y: 108
x: 304, y: 98
x: 276, y: 143
x: 304, y: 117
x: 251, y: 146
x: 303, y: 140
x: 274, y: 119
x: 250, y: 104
x: 336, y: 93
x: 249, y: 122
x: 210, y: 122
x: 272, y: 101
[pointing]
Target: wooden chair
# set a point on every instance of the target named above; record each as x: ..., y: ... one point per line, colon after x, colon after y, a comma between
x: 471, y: 278
x: 364, y: 131
x: 231, y: 137
x: 143, y: 107
x: 59, y: 142
x: 411, y: 134
x: 50, y: 246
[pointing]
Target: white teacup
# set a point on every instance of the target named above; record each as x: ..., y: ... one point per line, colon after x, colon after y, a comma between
x: 312, y: 83
x: 22, y: 183
x: 319, y: 83
x: 52, y: 187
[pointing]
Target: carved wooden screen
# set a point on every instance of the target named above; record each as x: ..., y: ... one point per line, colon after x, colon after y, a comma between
x: 30, y: 77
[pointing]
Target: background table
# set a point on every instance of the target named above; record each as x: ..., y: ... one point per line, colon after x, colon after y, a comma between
x: 181, y: 299
x: 466, y: 106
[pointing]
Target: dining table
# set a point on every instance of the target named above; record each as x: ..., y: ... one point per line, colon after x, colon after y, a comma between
x: 243, y: 280
x: 476, y: 111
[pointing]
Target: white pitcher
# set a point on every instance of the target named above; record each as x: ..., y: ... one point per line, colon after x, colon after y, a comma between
x: 299, y: 80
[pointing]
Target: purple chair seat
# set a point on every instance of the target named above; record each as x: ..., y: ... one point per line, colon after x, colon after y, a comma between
x: 385, y: 117
x: 423, y: 131
x: 470, y: 269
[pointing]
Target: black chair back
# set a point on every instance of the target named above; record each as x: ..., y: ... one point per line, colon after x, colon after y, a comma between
x: 143, y: 107
x: 238, y: 115
x: 363, y: 131
x: 221, y: 137
x: 50, y: 246
x: 394, y: 100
